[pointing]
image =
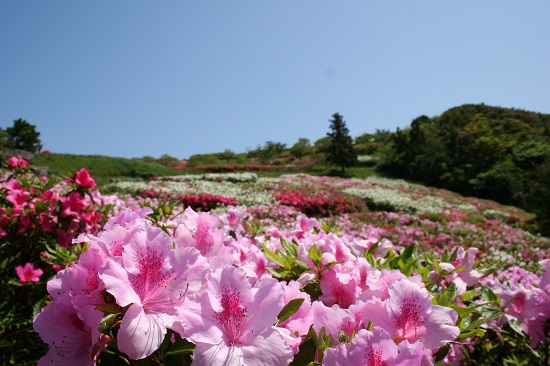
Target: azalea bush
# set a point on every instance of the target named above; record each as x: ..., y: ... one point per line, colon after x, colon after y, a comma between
x: 39, y: 218
x: 154, y: 280
x: 206, y: 202
x: 207, y: 290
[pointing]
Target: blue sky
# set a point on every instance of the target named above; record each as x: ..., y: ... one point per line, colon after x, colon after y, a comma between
x: 146, y: 78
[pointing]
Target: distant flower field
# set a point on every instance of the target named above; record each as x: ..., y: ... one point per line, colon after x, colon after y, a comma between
x: 236, y: 269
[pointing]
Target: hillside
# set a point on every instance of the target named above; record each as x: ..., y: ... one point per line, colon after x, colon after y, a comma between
x: 496, y: 153
x: 477, y: 150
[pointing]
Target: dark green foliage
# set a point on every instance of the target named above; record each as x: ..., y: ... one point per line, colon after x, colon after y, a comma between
x: 301, y: 148
x: 340, y: 152
x: 22, y: 135
x: 497, y: 153
x: 269, y: 151
x: 371, y: 143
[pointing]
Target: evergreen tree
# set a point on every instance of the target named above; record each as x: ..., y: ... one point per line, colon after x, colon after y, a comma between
x: 22, y: 135
x: 340, y: 151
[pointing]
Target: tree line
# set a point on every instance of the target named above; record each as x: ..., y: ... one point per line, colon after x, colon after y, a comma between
x: 502, y: 154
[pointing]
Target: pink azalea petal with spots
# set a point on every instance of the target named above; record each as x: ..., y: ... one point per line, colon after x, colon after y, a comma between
x: 235, y: 326
x: 141, y: 333
x: 71, y: 340
x: 339, y: 286
x: 334, y: 319
x: 81, y: 281
x: 414, y: 317
x: 154, y: 279
x: 371, y: 348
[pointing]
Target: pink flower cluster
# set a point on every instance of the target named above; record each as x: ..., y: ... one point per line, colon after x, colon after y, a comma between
x: 317, y: 203
x: 17, y: 162
x: 209, y: 280
x: 206, y: 201
x: 525, y: 298
x: 63, y: 210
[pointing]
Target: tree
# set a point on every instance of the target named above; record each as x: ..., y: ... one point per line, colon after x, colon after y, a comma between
x: 270, y: 150
x: 22, y: 135
x: 301, y: 148
x: 340, y: 151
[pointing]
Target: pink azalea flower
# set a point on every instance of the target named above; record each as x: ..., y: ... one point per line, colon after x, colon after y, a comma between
x: 300, y: 321
x: 232, y: 220
x: 467, y: 259
x: 17, y: 162
x: 80, y: 281
x: 200, y: 231
x: 70, y: 333
x: 304, y: 225
x: 373, y: 347
x: 152, y: 279
x: 232, y: 324
x: 408, y: 314
x: 245, y: 255
x: 334, y: 319
x: 339, y: 286
x: 28, y: 273
x: 83, y: 179
x: 126, y: 217
x: 18, y: 198
x: 376, y: 348
x: 73, y: 204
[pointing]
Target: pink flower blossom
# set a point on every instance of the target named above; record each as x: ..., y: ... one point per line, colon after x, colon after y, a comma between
x: 83, y: 179
x: 28, y: 273
x: 17, y: 162
x: 70, y: 333
x: 200, y: 231
x: 408, y: 314
x: 126, y: 217
x: 232, y: 323
x: 375, y: 347
x: 80, y: 281
x: 339, y: 286
x: 334, y: 319
x: 152, y: 279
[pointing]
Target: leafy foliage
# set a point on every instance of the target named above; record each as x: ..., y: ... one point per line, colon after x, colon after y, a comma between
x: 22, y: 135
x: 490, y: 152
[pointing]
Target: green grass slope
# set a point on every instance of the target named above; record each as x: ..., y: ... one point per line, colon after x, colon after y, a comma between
x: 102, y: 168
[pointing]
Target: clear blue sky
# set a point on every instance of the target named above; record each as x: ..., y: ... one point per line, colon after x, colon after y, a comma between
x: 135, y: 78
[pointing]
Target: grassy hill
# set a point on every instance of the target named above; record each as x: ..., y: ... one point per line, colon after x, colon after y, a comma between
x: 102, y: 168
x: 105, y: 168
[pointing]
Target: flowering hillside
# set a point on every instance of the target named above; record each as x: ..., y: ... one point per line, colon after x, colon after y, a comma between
x: 236, y: 269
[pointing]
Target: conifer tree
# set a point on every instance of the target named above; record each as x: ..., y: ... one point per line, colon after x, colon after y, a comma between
x: 340, y: 151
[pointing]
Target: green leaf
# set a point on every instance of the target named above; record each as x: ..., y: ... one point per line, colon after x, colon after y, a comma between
x: 290, y: 247
x: 483, y: 320
x: 516, y: 327
x: 315, y: 254
x: 447, y: 296
x: 469, y: 295
x: 109, y: 308
x: 272, y: 256
x: 290, y: 309
x: 328, y: 226
x: 440, y: 355
x: 108, y: 321
x: 407, y: 253
x: 372, y: 249
x: 489, y: 295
